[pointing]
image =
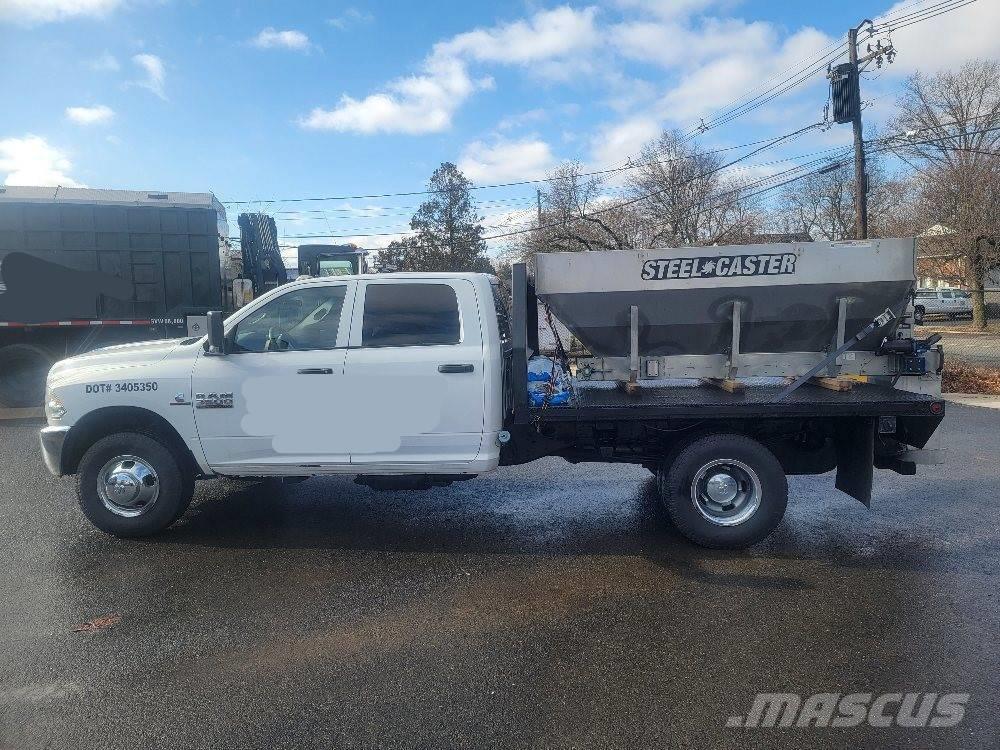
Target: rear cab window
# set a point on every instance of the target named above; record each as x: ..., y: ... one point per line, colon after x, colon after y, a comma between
x: 410, y: 314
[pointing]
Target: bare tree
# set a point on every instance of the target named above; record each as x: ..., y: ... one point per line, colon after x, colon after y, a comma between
x: 684, y: 198
x: 952, y: 122
x: 578, y: 214
x: 822, y: 204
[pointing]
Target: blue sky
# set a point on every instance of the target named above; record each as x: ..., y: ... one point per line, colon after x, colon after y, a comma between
x: 289, y: 99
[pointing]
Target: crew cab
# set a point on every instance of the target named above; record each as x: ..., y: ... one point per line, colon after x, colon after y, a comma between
x: 410, y: 381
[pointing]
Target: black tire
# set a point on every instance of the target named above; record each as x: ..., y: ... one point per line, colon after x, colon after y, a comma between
x: 22, y: 375
x: 174, y: 485
x: 919, y: 313
x: 771, y: 489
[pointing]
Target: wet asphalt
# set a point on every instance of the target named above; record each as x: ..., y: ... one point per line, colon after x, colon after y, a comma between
x: 547, y: 605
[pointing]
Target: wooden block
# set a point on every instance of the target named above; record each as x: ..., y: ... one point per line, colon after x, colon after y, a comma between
x: 726, y: 384
x: 832, y: 384
x: 629, y: 388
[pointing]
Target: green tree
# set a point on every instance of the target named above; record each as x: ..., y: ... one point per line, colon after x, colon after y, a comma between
x: 448, y: 231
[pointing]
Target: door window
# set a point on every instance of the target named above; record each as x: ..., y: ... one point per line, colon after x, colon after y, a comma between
x: 410, y: 315
x: 304, y: 319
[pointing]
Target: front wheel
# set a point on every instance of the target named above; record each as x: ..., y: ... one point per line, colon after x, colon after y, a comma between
x: 725, y: 491
x: 130, y: 484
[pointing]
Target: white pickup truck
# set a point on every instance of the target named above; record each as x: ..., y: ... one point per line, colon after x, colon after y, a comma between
x: 410, y: 381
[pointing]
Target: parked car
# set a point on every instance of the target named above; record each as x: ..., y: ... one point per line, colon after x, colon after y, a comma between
x: 950, y: 302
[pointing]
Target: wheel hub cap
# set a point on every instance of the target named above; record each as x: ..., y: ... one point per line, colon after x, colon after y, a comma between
x: 128, y: 486
x: 722, y: 488
x: 726, y: 492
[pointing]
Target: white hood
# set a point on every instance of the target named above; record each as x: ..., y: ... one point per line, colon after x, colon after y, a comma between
x: 114, y: 357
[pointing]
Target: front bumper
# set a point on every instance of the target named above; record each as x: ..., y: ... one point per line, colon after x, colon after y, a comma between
x: 52, y: 439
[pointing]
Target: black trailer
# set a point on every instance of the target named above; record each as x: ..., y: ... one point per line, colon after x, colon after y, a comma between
x: 674, y: 426
x: 84, y: 268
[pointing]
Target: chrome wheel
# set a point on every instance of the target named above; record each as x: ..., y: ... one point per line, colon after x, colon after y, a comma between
x: 726, y: 491
x: 128, y: 486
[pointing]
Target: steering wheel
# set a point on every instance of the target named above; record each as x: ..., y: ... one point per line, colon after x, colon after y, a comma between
x: 280, y: 343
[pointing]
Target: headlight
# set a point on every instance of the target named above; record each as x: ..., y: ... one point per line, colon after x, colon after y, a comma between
x: 54, y: 408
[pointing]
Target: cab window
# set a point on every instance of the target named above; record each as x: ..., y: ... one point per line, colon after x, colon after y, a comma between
x: 410, y: 315
x: 304, y: 319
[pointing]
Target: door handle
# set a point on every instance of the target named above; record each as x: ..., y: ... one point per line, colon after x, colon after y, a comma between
x: 455, y: 368
x: 316, y: 371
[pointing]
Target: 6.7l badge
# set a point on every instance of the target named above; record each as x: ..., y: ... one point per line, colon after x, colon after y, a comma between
x: 213, y: 401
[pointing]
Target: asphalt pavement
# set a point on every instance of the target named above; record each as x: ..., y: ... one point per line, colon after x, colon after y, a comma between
x: 548, y: 605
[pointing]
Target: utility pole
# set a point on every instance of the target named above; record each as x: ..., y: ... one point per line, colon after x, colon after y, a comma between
x: 845, y: 94
x: 860, y: 176
x: 538, y: 200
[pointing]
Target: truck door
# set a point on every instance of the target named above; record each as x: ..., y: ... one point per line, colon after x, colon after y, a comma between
x: 416, y: 358
x: 274, y: 402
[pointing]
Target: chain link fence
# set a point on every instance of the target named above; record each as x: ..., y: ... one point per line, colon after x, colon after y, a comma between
x: 972, y: 354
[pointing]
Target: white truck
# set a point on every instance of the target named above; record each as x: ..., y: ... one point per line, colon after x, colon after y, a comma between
x: 410, y: 381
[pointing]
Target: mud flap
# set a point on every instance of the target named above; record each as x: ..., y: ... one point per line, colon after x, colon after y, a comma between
x: 854, y: 440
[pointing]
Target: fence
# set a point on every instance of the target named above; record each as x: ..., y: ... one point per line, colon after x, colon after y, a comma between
x: 972, y: 355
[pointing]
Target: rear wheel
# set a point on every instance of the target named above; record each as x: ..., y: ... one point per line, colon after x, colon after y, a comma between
x: 919, y: 313
x: 130, y: 484
x: 724, y: 491
x: 22, y: 375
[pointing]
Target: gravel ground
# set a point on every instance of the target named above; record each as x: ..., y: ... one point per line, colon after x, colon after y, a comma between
x: 547, y: 605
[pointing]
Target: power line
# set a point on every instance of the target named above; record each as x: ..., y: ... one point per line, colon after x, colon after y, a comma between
x: 737, y: 108
x: 894, y: 22
x: 540, y: 180
x: 879, y: 145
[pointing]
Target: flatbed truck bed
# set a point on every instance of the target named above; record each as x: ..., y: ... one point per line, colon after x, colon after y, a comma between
x: 680, y: 398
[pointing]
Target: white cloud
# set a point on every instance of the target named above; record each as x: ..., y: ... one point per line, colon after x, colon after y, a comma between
x: 417, y: 104
x: 728, y: 77
x: 672, y: 44
x: 271, y: 38
x: 504, y: 160
x: 426, y: 102
x: 30, y: 12
x: 32, y: 161
x: 95, y: 115
x: 155, y: 71
x: 520, y: 119
x: 106, y: 63
x: 947, y: 40
x: 613, y: 144
x: 350, y: 17
x: 548, y: 35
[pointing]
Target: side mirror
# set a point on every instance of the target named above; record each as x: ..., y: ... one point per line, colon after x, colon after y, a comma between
x: 216, y: 333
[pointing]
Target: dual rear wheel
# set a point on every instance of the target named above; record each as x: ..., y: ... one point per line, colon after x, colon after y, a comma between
x: 724, y: 491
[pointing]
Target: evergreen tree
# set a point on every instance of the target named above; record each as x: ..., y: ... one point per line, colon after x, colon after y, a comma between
x: 448, y: 231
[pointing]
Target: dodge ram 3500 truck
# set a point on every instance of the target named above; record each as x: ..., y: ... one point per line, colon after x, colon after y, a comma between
x: 411, y: 381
